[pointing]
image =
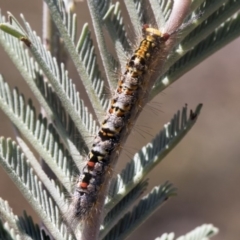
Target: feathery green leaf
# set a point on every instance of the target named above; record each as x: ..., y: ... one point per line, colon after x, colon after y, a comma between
x: 43, y: 137
x: 203, y: 232
x: 151, y: 154
x: 64, y: 87
x: 122, y: 207
x: 226, y: 33
x: 115, y: 26
x: 19, y: 170
x: 199, y: 33
x: 141, y: 212
x: 59, y: 16
x: 46, y: 97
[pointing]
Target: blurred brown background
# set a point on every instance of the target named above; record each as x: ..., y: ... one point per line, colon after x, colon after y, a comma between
x: 205, y: 166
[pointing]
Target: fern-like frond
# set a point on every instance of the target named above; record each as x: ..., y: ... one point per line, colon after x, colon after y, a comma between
x: 122, y: 207
x: 63, y: 86
x: 42, y: 136
x: 46, y: 97
x: 59, y: 16
x: 19, y: 170
x: 151, y: 154
x: 208, y: 22
x: 87, y: 56
x: 212, y: 15
x: 69, y: 19
x: 98, y: 23
x: 63, y: 123
x: 204, y: 232
x: 49, y: 185
x: 201, y: 41
x: 24, y: 63
x: 141, y: 212
x: 116, y: 28
x: 219, y: 38
x: 201, y: 10
x: 71, y: 98
x: 70, y: 117
x: 7, y: 216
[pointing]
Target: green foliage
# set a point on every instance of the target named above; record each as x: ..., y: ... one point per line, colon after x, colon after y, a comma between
x: 215, y: 24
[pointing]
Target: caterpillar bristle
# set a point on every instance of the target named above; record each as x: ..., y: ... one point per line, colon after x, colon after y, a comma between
x: 127, y: 95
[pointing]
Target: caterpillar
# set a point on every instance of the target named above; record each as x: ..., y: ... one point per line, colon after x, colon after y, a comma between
x: 125, y: 97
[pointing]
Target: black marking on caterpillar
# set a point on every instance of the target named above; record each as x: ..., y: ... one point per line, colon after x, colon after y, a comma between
x: 117, y: 119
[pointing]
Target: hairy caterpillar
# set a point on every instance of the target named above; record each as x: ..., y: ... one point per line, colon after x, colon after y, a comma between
x: 126, y: 96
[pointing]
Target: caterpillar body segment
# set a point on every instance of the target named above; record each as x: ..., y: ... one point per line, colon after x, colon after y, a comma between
x: 126, y: 96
